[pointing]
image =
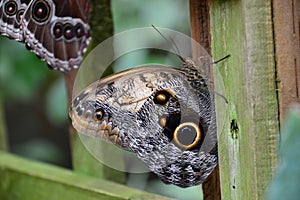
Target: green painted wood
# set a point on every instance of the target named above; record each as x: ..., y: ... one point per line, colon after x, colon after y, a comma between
x: 200, y: 32
x: 23, y: 179
x: 3, y: 140
x: 83, y: 162
x: 248, y: 141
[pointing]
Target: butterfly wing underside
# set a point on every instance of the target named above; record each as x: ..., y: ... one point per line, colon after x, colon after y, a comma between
x: 57, y: 31
x: 157, y: 113
x: 11, y: 12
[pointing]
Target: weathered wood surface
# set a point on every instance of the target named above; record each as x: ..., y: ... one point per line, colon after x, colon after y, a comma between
x: 287, y: 47
x: 23, y: 179
x: 248, y: 141
x: 200, y: 32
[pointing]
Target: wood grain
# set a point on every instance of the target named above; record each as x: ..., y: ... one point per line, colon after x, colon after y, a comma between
x: 287, y: 47
x: 248, y: 142
x: 200, y: 32
x: 35, y: 181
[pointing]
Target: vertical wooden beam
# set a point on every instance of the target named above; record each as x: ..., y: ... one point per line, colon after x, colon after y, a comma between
x: 83, y: 162
x: 286, y: 17
x: 248, y: 142
x: 200, y: 31
x: 200, y: 23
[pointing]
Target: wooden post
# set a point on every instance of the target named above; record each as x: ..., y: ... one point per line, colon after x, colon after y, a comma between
x: 200, y: 31
x: 83, y: 161
x: 286, y: 18
x: 248, y: 142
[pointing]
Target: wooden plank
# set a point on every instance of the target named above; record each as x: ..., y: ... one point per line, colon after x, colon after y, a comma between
x: 24, y: 179
x: 248, y: 142
x: 287, y: 46
x: 200, y: 31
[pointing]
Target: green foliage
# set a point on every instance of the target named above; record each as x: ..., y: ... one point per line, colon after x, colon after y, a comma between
x: 138, y: 14
x: 23, y: 77
x: 128, y: 14
x: 56, y: 103
x: 22, y: 74
x: 287, y: 180
x: 42, y: 150
x: 3, y: 140
x: 29, y: 90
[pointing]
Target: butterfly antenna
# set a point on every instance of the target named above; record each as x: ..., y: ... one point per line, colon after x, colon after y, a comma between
x: 222, y: 96
x: 172, y: 44
x: 215, y: 62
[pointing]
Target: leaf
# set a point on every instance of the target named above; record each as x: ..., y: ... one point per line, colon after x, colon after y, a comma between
x: 287, y: 179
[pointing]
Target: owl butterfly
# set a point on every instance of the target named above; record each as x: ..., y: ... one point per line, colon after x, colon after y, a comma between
x: 56, y: 31
x: 166, y: 116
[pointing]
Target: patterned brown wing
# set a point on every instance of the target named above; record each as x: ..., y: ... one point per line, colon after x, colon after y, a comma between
x: 57, y: 32
x: 164, y: 115
x: 11, y: 12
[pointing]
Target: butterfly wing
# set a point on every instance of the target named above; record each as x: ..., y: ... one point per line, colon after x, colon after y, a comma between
x: 159, y: 113
x: 11, y: 12
x: 57, y: 31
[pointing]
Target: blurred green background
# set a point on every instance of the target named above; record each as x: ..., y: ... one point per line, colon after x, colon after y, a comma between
x: 35, y: 99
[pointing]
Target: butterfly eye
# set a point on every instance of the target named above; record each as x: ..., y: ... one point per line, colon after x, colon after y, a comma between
x: 69, y: 31
x: 79, y: 30
x: 162, y: 97
x: 19, y: 15
x: 187, y: 135
x: 11, y: 8
x: 41, y: 11
x: 58, y: 30
x: 162, y: 121
x: 99, y: 114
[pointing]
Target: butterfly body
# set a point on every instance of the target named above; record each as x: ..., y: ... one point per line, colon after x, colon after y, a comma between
x: 164, y: 115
